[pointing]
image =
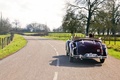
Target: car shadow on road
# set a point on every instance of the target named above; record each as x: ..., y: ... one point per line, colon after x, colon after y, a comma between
x: 64, y: 62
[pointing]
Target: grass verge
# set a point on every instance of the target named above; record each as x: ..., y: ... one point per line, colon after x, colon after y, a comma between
x: 17, y: 43
x: 3, y: 36
x: 114, y: 53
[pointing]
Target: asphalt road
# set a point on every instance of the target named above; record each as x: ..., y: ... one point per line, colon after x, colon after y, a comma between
x: 44, y: 59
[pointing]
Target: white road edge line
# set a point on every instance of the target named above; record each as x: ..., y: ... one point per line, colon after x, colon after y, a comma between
x: 55, y: 76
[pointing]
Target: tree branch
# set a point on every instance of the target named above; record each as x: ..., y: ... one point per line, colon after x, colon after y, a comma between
x: 117, y: 8
x: 78, y: 7
x: 100, y: 3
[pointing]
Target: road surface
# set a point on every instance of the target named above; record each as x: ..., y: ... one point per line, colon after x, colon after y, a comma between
x: 44, y: 59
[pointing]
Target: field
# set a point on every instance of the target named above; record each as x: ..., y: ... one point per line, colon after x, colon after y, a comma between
x: 17, y: 43
x: 62, y: 36
x: 29, y: 33
x: 113, y: 49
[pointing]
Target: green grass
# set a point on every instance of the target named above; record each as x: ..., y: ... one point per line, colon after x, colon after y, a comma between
x: 112, y: 45
x: 114, y: 53
x: 112, y: 42
x: 17, y: 43
x: 3, y: 36
x: 29, y: 33
x: 62, y: 36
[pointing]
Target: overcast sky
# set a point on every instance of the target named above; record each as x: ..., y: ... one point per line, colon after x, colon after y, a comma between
x: 48, y: 12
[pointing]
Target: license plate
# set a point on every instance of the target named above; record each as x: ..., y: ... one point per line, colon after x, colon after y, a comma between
x: 90, y: 55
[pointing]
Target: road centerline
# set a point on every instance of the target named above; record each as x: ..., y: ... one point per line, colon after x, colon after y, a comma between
x: 55, y: 76
x: 58, y: 62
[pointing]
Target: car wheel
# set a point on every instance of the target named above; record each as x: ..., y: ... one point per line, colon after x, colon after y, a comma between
x: 71, y: 58
x: 67, y: 54
x: 102, y: 60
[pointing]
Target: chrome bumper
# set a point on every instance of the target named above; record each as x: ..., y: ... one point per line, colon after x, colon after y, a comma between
x: 88, y: 57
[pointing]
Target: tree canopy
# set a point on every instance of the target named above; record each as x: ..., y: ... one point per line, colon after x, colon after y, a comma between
x: 101, y: 16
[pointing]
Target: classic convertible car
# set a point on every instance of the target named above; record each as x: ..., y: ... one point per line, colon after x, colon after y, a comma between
x: 86, y: 48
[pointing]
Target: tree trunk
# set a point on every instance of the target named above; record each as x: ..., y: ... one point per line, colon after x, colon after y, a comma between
x: 98, y: 31
x: 103, y: 33
x: 108, y: 31
x: 88, y: 22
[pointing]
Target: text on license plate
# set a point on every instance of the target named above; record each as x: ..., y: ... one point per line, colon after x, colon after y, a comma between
x: 90, y: 55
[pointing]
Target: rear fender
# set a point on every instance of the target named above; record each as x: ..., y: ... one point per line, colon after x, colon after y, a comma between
x: 67, y: 44
x: 105, y: 52
x: 73, y: 48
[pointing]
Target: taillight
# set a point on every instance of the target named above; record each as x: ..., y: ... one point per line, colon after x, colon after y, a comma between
x: 98, y: 50
x: 101, y: 50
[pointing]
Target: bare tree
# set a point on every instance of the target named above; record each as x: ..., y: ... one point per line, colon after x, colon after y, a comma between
x: 37, y: 27
x: 88, y: 6
x: 17, y: 25
x: 5, y: 26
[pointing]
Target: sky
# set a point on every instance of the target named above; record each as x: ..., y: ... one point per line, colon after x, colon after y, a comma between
x: 49, y: 12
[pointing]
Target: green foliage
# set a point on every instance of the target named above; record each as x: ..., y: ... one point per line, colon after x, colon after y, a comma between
x: 101, y: 16
x: 63, y: 36
x: 73, y: 22
x: 17, y: 43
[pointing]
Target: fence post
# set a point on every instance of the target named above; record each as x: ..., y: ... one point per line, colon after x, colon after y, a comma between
x: 109, y: 39
x: 12, y: 35
x: 2, y: 43
x: 115, y: 40
x: 7, y: 40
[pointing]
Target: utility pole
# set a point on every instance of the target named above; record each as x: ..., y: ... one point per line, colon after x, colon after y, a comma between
x: 1, y: 19
x: 1, y: 24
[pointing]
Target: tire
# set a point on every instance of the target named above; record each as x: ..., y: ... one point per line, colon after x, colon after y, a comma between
x: 67, y: 48
x: 67, y: 54
x: 71, y: 58
x: 102, y: 60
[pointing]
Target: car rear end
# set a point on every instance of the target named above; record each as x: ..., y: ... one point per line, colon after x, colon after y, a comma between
x: 88, y: 49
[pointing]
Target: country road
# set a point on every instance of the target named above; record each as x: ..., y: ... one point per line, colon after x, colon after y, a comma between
x: 44, y: 59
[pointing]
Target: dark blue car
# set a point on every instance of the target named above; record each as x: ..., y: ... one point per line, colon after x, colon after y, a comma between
x: 86, y: 48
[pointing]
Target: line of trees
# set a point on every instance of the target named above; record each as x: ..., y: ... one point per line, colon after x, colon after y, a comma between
x: 37, y: 27
x: 14, y: 27
x: 5, y: 26
x: 96, y: 16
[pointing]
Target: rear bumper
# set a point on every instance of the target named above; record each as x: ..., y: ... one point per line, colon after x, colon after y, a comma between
x: 88, y: 57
